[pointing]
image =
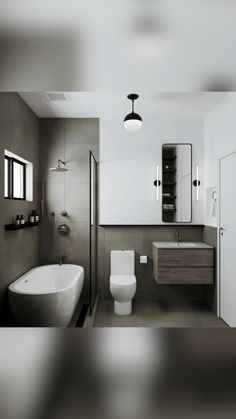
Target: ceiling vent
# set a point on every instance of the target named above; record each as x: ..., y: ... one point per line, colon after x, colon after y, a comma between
x: 56, y: 96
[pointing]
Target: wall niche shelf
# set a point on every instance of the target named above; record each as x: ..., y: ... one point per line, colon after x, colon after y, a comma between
x: 169, y: 182
x: 13, y: 227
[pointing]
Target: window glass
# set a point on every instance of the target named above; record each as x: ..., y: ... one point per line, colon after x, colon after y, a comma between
x: 18, y: 180
x: 6, y: 178
x: 14, y: 178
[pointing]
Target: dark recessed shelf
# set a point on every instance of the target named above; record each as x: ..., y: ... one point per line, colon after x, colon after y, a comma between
x: 169, y: 158
x: 11, y: 227
x: 169, y: 184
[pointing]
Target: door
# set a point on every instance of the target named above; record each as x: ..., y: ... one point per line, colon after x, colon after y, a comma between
x: 228, y: 239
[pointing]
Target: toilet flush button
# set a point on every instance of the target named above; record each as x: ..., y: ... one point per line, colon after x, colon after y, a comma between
x: 143, y: 259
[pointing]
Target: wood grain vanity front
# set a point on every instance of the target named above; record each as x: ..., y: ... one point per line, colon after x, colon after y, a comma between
x: 183, y: 266
x: 185, y: 257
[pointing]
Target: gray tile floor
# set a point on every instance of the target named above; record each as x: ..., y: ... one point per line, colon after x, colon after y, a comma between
x: 156, y: 314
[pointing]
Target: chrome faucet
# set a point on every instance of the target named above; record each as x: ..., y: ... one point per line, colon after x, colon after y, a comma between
x: 178, y: 236
x: 62, y: 259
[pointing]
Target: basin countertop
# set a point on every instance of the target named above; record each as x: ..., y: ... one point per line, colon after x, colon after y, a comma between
x: 182, y: 245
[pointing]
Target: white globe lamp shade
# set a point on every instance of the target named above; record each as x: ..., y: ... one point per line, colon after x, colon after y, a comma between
x: 133, y: 122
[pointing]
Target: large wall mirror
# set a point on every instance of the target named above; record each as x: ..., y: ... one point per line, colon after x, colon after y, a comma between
x: 177, y: 183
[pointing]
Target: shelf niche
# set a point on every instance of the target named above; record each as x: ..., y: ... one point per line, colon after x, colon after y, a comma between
x: 13, y: 227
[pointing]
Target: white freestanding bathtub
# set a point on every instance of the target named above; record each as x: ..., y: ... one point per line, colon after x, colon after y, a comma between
x: 47, y: 295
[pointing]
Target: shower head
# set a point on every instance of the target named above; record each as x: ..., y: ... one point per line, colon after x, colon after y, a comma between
x: 59, y: 168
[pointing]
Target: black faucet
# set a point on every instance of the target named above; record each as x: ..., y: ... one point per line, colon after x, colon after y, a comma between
x: 62, y: 259
x: 178, y: 236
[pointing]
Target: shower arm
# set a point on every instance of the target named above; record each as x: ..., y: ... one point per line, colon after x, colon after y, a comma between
x: 60, y: 161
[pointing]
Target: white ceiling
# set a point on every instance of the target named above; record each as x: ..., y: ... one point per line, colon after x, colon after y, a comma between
x: 98, y: 45
x: 112, y: 104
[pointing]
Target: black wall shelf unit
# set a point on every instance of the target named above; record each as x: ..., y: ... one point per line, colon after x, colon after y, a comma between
x: 13, y: 227
x: 169, y: 183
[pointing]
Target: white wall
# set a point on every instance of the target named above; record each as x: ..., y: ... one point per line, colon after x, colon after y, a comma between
x: 220, y: 140
x: 128, y: 168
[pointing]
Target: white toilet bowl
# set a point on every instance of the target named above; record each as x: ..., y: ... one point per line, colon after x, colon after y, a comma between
x: 123, y: 289
x: 122, y: 280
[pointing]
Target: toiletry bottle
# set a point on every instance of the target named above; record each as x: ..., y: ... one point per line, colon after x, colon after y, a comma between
x: 31, y: 218
x: 36, y: 217
x: 17, y: 222
x: 22, y: 220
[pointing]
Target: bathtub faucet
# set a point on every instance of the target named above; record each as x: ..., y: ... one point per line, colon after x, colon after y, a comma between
x: 62, y: 259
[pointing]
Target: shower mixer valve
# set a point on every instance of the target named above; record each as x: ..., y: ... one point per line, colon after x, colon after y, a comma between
x: 63, y: 230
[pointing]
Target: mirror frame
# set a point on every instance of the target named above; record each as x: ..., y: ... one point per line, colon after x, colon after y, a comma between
x: 191, y: 163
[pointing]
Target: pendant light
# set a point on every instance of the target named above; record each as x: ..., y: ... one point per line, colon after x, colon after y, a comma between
x: 133, y: 121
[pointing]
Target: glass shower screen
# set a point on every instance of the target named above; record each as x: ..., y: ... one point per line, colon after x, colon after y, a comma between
x: 93, y: 230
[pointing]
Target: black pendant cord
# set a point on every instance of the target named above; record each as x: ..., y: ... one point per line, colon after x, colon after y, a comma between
x: 133, y: 97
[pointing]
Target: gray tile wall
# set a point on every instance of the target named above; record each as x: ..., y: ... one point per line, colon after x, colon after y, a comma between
x: 19, y: 250
x: 140, y: 239
x: 70, y: 140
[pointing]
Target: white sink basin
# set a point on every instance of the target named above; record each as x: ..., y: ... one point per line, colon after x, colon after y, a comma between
x: 184, y: 244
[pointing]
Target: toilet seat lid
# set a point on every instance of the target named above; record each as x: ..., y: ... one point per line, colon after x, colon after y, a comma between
x: 122, y: 280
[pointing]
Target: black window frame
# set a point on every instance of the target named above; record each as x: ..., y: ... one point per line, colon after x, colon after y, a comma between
x: 12, y: 160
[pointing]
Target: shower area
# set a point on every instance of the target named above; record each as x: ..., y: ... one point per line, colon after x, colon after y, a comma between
x: 69, y: 154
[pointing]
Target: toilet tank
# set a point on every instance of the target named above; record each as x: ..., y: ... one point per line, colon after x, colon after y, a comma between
x: 122, y: 262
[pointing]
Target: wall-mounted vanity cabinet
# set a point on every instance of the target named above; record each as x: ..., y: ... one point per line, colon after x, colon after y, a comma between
x: 183, y: 263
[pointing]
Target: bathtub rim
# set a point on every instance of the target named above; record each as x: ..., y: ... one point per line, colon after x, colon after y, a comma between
x: 72, y: 284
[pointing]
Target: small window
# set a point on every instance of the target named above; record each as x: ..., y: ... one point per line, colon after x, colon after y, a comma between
x: 6, y: 178
x: 18, y: 184
x: 15, y: 178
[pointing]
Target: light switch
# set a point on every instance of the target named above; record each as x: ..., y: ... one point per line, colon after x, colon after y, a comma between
x: 143, y: 259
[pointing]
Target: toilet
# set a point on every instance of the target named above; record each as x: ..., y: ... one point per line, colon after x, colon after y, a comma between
x: 122, y: 280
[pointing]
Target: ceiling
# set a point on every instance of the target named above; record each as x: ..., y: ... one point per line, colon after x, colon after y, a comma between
x: 113, y: 104
x: 105, y: 45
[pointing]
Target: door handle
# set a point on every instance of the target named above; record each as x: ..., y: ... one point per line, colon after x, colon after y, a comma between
x: 222, y: 229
